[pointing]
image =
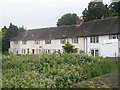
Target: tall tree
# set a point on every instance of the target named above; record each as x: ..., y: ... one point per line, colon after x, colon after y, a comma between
x: 95, y: 10
x: 4, y: 39
x: 68, y: 19
x: 8, y: 34
x: 114, y: 8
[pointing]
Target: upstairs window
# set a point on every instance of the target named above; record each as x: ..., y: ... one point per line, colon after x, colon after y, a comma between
x: 47, y: 41
x: 75, y: 40
x: 24, y: 42
x: 119, y: 37
x: 115, y: 36
x: 94, y: 39
x: 15, y: 42
x: 62, y: 41
x: 37, y: 41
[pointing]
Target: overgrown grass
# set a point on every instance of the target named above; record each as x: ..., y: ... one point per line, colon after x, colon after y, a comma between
x: 52, y: 70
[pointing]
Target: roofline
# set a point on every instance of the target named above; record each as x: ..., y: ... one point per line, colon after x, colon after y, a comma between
x: 73, y: 24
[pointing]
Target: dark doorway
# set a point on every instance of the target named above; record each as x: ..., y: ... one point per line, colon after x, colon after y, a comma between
x: 28, y: 51
x: 33, y: 51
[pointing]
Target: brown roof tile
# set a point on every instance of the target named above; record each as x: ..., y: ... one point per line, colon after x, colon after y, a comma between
x: 95, y: 27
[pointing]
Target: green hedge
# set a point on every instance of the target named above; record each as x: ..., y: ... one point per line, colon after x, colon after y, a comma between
x: 52, y: 70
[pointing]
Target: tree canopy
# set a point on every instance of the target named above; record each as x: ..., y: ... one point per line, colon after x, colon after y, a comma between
x: 114, y: 8
x: 98, y: 10
x: 68, y: 19
x: 8, y: 34
x: 95, y: 10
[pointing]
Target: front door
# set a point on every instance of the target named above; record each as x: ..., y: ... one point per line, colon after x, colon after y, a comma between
x: 33, y: 51
x: 28, y: 50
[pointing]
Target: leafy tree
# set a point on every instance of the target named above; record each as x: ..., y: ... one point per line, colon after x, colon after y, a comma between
x: 4, y: 40
x: 95, y: 10
x: 8, y: 34
x: 68, y: 19
x: 69, y: 48
x: 4, y: 30
x: 114, y: 8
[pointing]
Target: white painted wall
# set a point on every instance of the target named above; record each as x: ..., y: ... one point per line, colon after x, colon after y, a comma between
x: 107, y: 47
x: 119, y: 48
x: 55, y: 45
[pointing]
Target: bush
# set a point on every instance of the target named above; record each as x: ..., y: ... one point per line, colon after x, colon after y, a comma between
x: 52, y: 70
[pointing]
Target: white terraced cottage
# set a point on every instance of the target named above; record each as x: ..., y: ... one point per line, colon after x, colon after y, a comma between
x: 97, y: 38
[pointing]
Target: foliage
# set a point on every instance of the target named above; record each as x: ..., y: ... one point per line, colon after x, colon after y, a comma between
x: 98, y: 10
x: 9, y: 33
x: 95, y: 10
x: 68, y: 19
x: 114, y: 8
x: 69, y: 48
x: 0, y: 42
x: 52, y: 70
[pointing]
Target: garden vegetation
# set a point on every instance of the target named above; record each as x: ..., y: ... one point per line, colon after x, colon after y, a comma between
x: 52, y: 70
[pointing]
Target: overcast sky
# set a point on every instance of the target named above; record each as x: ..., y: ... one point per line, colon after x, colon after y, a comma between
x: 39, y: 13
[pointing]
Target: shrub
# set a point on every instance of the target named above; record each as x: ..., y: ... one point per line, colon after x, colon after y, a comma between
x: 52, y: 70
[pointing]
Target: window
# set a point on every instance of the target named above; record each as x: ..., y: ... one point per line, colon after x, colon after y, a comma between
x: 94, y: 39
x: 94, y: 52
x: 37, y: 41
x: 15, y: 51
x: 38, y: 51
x: 24, y: 42
x: 15, y: 42
x: 119, y: 37
x: 47, y: 41
x: 62, y: 41
x: 75, y: 40
x: 23, y: 51
x: 115, y: 36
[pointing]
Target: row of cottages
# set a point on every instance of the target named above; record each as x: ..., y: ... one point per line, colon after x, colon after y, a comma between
x: 96, y: 38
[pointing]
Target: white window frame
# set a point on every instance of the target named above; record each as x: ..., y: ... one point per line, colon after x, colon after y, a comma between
x: 114, y: 36
x: 63, y: 41
x: 94, y: 39
x: 37, y: 41
x: 15, y: 42
x: 94, y: 52
x: 15, y: 51
x: 23, y: 51
x: 74, y: 40
x: 38, y: 51
x: 47, y: 41
x: 24, y: 42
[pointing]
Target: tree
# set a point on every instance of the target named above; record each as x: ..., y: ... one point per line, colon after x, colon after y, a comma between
x: 68, y: 19
x: 8, y: 34
x: 114, y: 8
x: 68, y: 48
x: 95, y: 10
x: 4, y: 40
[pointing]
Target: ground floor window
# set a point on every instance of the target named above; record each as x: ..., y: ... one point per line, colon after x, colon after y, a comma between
x: 94, y: 52
x: 23, y: 51
x: 15, y: 51
x: 38, y: 51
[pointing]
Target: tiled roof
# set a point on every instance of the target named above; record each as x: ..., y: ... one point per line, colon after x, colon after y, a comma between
x: 95, y: 27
